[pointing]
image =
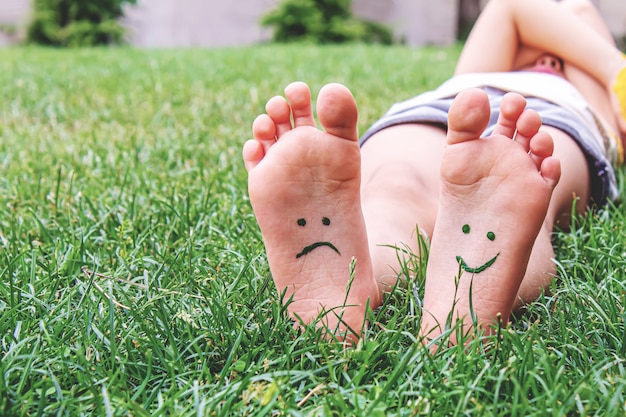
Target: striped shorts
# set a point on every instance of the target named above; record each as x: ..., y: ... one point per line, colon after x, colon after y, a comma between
x: 602, y: 173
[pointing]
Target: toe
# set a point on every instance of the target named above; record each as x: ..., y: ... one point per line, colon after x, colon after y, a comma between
x: 511, y: 109
x: 527, y: 126
x: 551, y: 171
x: 468, y: 116
x: 279, y: 111
x: 264, y: 131
x: 263, y: 128
x: 541, y: 146
x: 299, y: 97
x: 337, y: 111
x: 252, y: 154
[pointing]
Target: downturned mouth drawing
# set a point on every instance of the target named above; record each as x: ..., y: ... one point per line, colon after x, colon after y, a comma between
x: 316, y: 245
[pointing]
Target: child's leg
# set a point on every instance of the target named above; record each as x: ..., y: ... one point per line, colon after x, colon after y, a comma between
x: 586, y: 11
x: 594, y: 92
x: 506, y: 26
x: 400, y: 193
x: 515, y: 33
x: 574, y: 182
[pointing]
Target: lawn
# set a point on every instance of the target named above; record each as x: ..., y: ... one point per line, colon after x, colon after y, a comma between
x: 134, y: 279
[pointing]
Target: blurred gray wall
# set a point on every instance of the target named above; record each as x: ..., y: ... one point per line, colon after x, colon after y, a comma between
x: 13, y: 18
x: 416, y: 22
x: 165, y: 23
x: 614, y: 13
x: 171, y: 23
x: 214, y: 23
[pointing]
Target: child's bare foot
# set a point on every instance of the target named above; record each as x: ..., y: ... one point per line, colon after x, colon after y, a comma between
x: 304, y: 189
x: 495, y: 193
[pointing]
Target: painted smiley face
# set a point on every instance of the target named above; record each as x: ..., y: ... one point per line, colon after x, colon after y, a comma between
x: 308, y: 249
x: 475, y: 270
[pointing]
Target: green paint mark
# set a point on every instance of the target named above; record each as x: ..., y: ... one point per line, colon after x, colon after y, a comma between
x: 477, y: 269
x: 491, y: 236
x: 316, y: 245
x: 301, y: 222
x: 325, y: 221
x: 466, y: 228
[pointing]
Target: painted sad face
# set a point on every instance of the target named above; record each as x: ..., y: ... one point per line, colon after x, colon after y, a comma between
x: 308, y: 249
x: 477, y: 269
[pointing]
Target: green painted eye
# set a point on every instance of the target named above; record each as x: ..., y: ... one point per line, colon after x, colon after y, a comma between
x: 466, y: 228
x: 491, y: 236
x: 301, y: 222
x: 325, y: 221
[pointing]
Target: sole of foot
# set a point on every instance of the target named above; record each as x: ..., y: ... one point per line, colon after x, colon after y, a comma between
x: 495, y: 193
x: 303, y: 184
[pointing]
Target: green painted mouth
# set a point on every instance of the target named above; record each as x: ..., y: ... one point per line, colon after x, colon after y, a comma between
x: 316, y: 245
x: 477, y: 269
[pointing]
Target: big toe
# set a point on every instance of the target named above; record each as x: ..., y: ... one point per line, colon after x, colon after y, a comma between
x: 337, y: 111
x: 468, y: 116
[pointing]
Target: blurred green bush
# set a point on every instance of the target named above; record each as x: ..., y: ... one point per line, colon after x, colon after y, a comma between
x: 76, y: 23
x: 322, y: 21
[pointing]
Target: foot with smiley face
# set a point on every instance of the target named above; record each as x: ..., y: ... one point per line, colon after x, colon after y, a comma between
x: 303, y: 184
x: 494, y: 196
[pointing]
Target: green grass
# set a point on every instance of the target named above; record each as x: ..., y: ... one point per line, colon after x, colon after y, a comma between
x: 134, y: 279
